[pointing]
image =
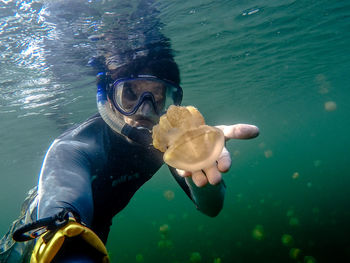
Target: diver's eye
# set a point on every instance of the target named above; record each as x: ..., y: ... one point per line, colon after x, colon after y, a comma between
x: 158, y: 97
x: 129, y: 94
x: 158, y: 92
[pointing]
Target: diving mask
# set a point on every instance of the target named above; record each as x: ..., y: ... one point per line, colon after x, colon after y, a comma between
x: 128, y: 94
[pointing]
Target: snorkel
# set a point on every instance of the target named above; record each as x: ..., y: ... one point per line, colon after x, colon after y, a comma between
x: 139, y: 135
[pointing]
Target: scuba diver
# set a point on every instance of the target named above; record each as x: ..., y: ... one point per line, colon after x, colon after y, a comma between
x: 90, y: 172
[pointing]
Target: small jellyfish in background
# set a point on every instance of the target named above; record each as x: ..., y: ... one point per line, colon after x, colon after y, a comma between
x: 287, y: 240
x: 258, y: 232
x: 139, y: 258
x: 164, y: 230
x: 169, y: 195
x: 295, y: 175
x: 262, y: 145
x: 268, y: 154
x: 293, y: 221
x: 195, y: 257
x: 217, y: 260
x: 165, y: 244
x: 294, y: 253
x: 324, y: 84
x: 309, y: 259
x: 290, y: 212
x: 330, y: 106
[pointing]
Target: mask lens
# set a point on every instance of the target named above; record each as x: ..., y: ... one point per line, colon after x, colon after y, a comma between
x: 129, y: 94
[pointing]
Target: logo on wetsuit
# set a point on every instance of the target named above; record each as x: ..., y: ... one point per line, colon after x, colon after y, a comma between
x: 125, y: 178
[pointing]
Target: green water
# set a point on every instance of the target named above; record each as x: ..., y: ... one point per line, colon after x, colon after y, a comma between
x: 274, y: 64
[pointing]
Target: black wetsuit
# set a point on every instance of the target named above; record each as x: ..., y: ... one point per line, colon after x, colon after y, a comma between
x: 95, y: 171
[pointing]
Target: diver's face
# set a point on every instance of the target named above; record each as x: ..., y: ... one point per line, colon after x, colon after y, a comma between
x: 146, y: 116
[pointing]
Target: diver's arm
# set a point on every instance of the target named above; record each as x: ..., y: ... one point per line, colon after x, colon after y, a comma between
x: 65, y: 181
x: 208, y: 199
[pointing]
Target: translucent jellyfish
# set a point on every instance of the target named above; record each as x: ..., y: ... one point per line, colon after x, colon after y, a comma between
x: 330, y: 106
x: 268, y: 154
x: 309, y: 259
x: 169, y: 195
x: 287, y: 240
x: 295, y: 175
x: 293, y: 221
x: 258, y: 232
x: 195, y: 257
x: 188, y: 144
x: 290, y: 212
x: 139, y: 258
x: 164, y: 229
x: 262, y: 145
x: 294, y: 253
x: 324, y: 84
x: 165, y: 244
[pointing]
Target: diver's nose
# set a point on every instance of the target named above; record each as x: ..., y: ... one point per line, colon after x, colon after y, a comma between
x: 147, y: 109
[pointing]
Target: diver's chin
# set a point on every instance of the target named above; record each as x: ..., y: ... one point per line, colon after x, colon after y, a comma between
x: 140, y: 123
x: 144, y: 124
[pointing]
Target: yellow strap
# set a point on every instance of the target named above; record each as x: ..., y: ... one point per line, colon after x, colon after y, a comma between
x: 45, y: 252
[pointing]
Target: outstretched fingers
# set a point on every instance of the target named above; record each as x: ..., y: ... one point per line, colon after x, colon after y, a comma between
x: 224, y: 161
x: 213, y: 174
x: 200, y: 178
x: 239, y: 131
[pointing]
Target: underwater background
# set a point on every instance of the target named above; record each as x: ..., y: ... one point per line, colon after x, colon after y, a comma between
x: 281, y: 65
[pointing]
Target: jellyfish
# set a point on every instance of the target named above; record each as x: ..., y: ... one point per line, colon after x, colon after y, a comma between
x: 169, y: 195
x: 188, y: 144
x: 287, y: 240
x: 295, y: 175
x: 309, y: 259
x: 294, y: 253
x: 268, y: 154
x: 294, y: 221
x: 258, y: 232
x: 165, y: 244
x: 330, y: 106
x: 139, y: 258
x: 164, y: 229
x: 195, y: 257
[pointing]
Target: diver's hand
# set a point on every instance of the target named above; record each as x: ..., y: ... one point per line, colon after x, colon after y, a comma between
x: 212, y: 174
